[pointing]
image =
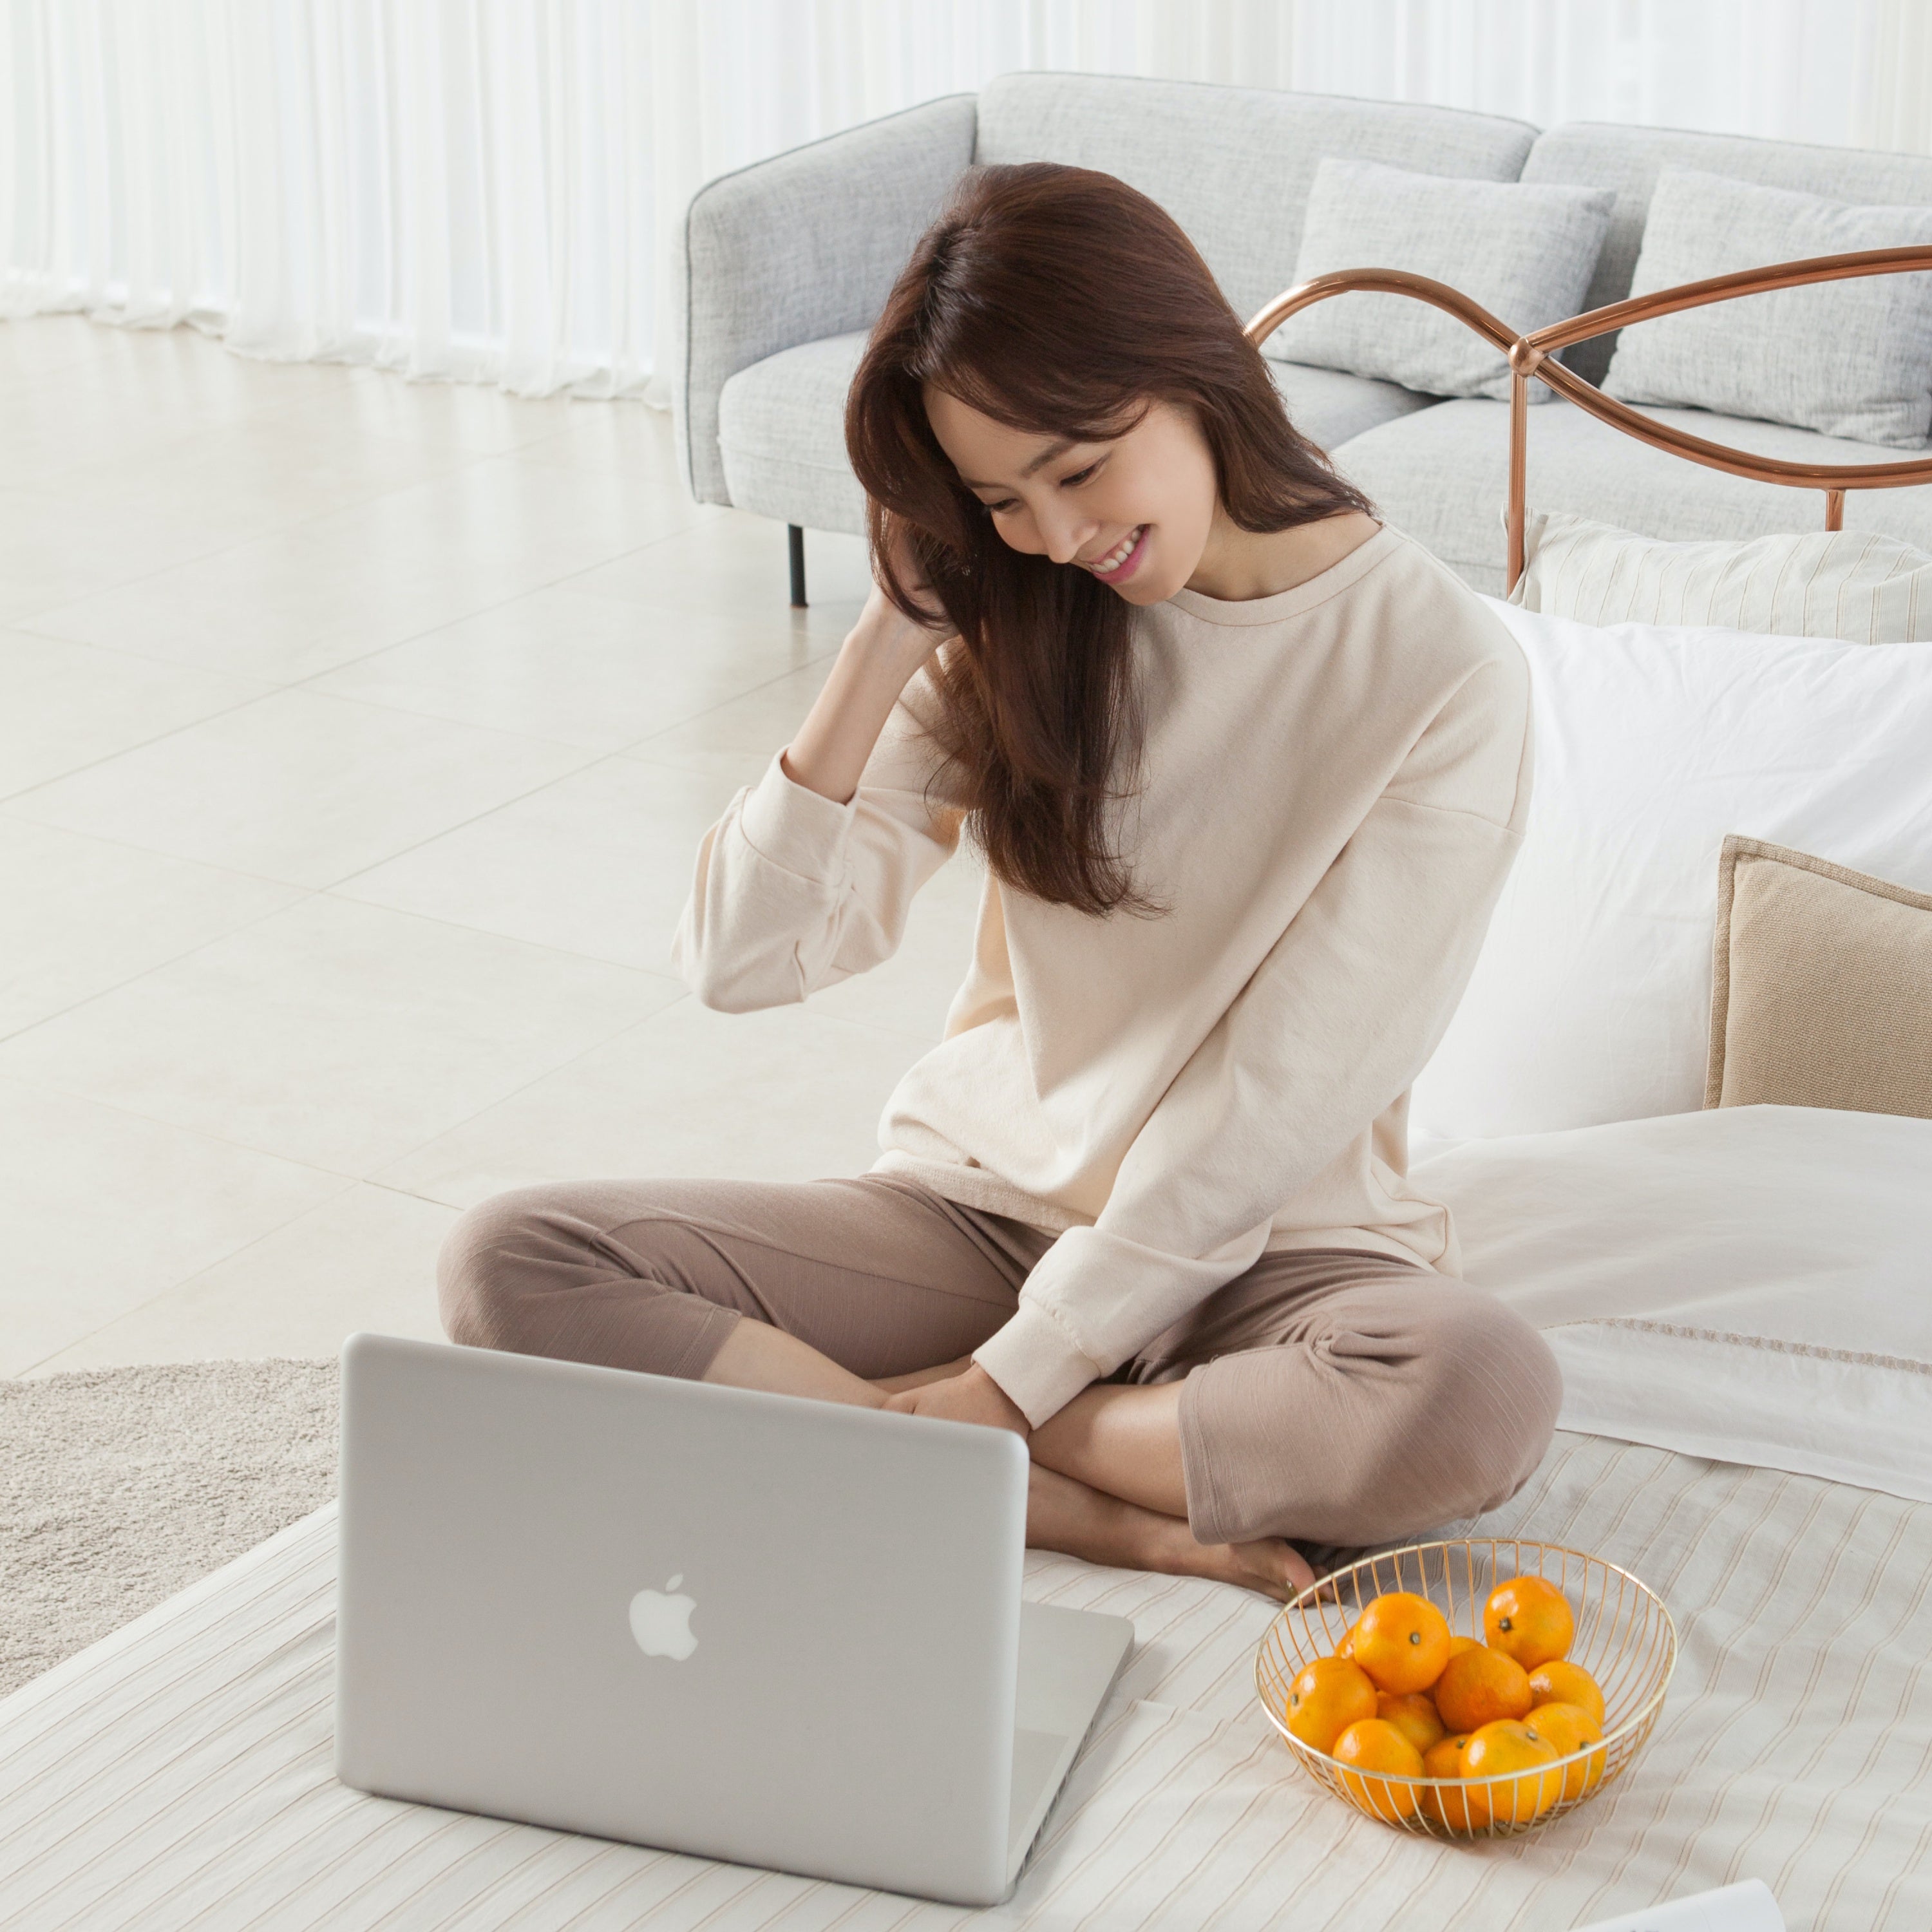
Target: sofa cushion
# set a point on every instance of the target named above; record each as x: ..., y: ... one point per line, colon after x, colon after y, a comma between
x: 1526, y: 253
x: 1232, y: 165
x: 782, y: 426
x: 1442, y: 475
x: 1629, y: 160
x: 781, y: 432
x: 1851, y: 358
x: 1329, y: 405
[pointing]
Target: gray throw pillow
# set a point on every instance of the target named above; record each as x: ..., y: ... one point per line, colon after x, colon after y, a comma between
x: 1525, y: 251
x: 1851, y: 359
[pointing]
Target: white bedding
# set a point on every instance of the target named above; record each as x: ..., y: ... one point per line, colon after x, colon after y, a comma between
x: 177, y: 1774
x: 1753, y: 1283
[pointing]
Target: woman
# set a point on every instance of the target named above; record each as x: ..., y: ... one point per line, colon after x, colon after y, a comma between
x: 1248, y: 771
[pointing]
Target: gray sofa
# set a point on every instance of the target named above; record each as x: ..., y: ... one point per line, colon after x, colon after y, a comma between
x: 784, y: 265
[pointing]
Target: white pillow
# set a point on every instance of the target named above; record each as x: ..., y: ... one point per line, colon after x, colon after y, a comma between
x: 1853, y: 585
x: 1591, y: 999
x: 1525, y: 249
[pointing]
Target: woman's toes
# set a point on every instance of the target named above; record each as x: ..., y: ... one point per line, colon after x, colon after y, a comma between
x: 1274, y: 1566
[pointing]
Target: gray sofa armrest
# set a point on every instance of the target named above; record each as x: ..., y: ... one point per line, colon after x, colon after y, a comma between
x: 805, y: 245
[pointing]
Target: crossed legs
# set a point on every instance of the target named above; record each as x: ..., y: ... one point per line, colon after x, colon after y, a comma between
x: 1335, y: 1397
x: 1107, y: 1483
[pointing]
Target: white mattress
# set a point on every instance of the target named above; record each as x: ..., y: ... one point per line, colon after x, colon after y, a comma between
x: 177, y: 1774
x: 1751, y: 1283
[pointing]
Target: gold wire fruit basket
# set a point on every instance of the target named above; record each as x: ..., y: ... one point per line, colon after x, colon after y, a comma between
x: 1625, y: 1639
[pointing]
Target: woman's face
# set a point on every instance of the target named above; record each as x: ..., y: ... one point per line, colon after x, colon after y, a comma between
x: 1137, y: 511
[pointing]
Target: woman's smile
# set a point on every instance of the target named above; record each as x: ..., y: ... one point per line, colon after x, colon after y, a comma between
x: 1121, y: 562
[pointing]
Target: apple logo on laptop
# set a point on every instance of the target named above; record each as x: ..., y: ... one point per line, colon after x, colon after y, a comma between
x: 660, y: 1622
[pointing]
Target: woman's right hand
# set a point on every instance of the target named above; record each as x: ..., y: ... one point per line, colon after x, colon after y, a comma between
x: 883, y: 626
x: 882, y: 653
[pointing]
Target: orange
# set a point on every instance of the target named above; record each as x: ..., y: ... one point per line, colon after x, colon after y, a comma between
x: 1346, y: 1648
x: 1570, y: 1729
x: 1457, y: 1645
x: 1480, y: 1686
x: 1528, y: 1619
x: 1561, y: 1683
x: 1444, y: 1758
x: 1414, y: 1715
x: 1499, y: 1750
x: 1328, y: 1697
x: 1403, y: 1642
x: 1375, y: 1746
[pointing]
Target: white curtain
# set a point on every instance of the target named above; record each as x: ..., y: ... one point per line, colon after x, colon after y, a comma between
x: 478, y: 189
x: 449, y: 189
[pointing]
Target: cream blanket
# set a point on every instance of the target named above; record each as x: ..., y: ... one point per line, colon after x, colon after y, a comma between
x: 177, y: 1774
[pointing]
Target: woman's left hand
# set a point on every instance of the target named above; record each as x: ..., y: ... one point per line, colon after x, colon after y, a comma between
x: 973, y: 1396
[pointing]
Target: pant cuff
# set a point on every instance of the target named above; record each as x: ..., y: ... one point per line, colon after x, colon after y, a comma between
x: 704, y: 1338
x: 1207, y: 1507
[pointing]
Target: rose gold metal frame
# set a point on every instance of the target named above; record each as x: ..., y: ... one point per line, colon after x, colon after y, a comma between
x: 1535, y: 355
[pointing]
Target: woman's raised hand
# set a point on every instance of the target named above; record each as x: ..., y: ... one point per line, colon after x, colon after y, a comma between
x: 882, y: 653
x: 884, y: 623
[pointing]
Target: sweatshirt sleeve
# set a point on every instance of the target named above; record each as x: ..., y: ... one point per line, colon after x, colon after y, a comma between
x: 1343, y: 1013
x: 792, y: 892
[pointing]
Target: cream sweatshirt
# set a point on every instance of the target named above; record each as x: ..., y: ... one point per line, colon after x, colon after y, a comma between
x: 1333, y: 786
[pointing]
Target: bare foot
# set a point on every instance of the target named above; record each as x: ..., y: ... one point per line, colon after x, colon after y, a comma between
x: 1274, y: 1567
x: 1065, y: 1514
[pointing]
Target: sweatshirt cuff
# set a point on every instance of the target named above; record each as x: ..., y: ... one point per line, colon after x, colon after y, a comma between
x: 1036, y: 1363
x: 794, y: 826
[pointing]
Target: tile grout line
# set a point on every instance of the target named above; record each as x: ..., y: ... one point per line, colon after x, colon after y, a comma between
x: 564, y: 1066
x: 592, y: 759
x: 220, y: 550
x: 631, y: 750
x: 503, y: 1100
x: 305, y: 892
x: 565, y: 952
x: 302, y: 524
x: 469, y: 616
x: 36, y: 1084
x: 174, y: 445
x: 141, y: 744
x: 26, y: 626
x: 185, y: 1281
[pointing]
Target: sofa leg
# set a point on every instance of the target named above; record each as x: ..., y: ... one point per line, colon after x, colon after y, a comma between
x: 795, y: 545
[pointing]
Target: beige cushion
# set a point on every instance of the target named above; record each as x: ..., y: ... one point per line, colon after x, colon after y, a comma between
x: 1853, y: 585
x: 1821, y: 986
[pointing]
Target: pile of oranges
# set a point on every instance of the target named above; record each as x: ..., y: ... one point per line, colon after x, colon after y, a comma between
x: 1404, y: 1698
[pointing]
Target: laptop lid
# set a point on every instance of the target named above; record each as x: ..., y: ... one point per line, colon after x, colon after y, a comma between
x: 780, y: 1632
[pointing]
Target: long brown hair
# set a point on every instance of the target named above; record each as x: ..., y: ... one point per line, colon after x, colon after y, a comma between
x: 1059, y: 301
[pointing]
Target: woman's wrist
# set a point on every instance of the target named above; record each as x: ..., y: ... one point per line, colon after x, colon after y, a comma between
x: 880, y: 656
x: 886, y: 638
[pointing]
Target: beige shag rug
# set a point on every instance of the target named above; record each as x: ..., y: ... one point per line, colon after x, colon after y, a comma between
x: 120, y: 1486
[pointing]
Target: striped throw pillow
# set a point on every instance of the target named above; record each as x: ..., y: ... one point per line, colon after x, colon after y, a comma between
x: 1852, y: 585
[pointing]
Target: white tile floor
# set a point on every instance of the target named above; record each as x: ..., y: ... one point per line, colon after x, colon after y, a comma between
x: 356, y: 735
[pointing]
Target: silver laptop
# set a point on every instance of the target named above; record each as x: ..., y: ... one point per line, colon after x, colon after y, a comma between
x: 783, y: 1633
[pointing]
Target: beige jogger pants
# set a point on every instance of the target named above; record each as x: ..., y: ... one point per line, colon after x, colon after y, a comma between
x: 1329, y: 1396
